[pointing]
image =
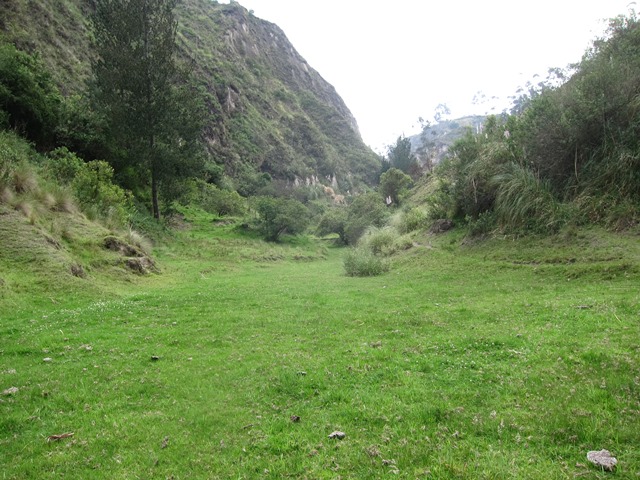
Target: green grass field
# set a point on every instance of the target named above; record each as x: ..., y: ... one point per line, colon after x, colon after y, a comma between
x: 497, y: 359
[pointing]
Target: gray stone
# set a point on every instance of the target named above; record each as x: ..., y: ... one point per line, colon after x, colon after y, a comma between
x: 602, y: 459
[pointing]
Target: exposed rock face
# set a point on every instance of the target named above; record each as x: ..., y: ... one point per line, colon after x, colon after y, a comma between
x: 269, y: 110
x: 273, y: 110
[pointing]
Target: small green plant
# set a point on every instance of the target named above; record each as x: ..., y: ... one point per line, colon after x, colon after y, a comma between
x: 360, y: 261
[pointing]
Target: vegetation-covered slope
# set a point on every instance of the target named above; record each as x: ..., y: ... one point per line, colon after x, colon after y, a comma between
x: 268, y: 110
x: 570, y: 154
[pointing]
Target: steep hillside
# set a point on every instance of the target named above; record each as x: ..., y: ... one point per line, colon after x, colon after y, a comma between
x: 270, y: 112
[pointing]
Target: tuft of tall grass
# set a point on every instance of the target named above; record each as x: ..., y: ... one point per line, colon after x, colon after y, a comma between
x: 136, y: 238
x: 25, y: 179
x: 411, y: 220
x: 379, y: 241
x: 525, y: 201
x: 63, y: 200
x: 6, y: 194
x: 361, y: 262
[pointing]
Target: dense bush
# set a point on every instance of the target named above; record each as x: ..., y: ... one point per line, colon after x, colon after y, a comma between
x: 380, y: 240
x: 365, y: 211
x: 63, y: 165
x: 394, y: 185
x: 411, y: 220
x: 351, y: 222
x: 334, y: 220
x: 99, y: 196
x: 362, y: 262
x: 29, y: 99
x: 219, y: 201
x: 570, y: 154
x: 276, y: 216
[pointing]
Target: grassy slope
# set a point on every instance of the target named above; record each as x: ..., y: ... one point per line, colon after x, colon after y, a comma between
x: 485, y: 361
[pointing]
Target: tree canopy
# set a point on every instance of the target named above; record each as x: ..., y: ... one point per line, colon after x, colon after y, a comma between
x: 152, y: 117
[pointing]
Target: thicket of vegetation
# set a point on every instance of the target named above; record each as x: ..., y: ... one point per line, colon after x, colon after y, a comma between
x: 570, y: 154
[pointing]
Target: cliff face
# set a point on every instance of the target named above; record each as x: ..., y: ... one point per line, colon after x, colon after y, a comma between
x: 269, y: 110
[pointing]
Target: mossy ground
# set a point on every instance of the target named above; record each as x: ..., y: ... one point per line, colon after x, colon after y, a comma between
x: 500, y: 359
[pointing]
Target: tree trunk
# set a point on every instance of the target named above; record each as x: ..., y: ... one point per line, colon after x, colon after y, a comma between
x: 154, y: 194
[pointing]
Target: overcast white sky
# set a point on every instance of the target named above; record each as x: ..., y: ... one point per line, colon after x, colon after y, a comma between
x: 393, y: 62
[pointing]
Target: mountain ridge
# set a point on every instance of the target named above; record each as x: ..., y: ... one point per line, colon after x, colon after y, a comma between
x: 269, y: 111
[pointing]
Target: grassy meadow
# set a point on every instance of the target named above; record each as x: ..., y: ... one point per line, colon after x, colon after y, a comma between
x: 497, y: 359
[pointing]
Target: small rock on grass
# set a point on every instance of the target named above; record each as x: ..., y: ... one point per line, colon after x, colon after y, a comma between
x: 11, y: 391
x: 602, y: 459
x: 337, y: 434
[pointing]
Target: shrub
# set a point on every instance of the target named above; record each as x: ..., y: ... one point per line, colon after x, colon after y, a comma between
x: 525, y: 201
x: 24, y: 179
x: 29, y: 99
x: 394, y: 185
x: 403, y: 242
x: 365, y: 211
x: 63, y: 200
x: 63, y: 165
x: 411, y: 220
x: 361, y: 262
x: 380, y: 241
x: 137, y: 239
x: 277, y: 216
x: 334, y: 220
x: 99, y: 196
x: 221, y: 202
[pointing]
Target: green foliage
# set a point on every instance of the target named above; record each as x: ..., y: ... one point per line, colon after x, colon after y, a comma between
x: 83, y: 129
x: 152, y: 113
x: 381, y: 241
x: 411, y: 220
x: 583, y: 135
x: 401, y: 157
x: 525, y: 201
x: 98, y: 196
x: 29, y: 99
x: 221, y: 202
x: 360, y: 261
x: 394, y: 185
x: 63, y: 165
x: 334, y: 220
x: 365, y: 211
x: 276, y: 216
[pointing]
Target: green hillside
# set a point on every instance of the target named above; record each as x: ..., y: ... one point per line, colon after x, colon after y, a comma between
x: 268, y: 110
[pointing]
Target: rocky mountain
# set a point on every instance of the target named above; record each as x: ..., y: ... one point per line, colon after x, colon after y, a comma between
x: 269, y: 110
x: 433, y: 143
